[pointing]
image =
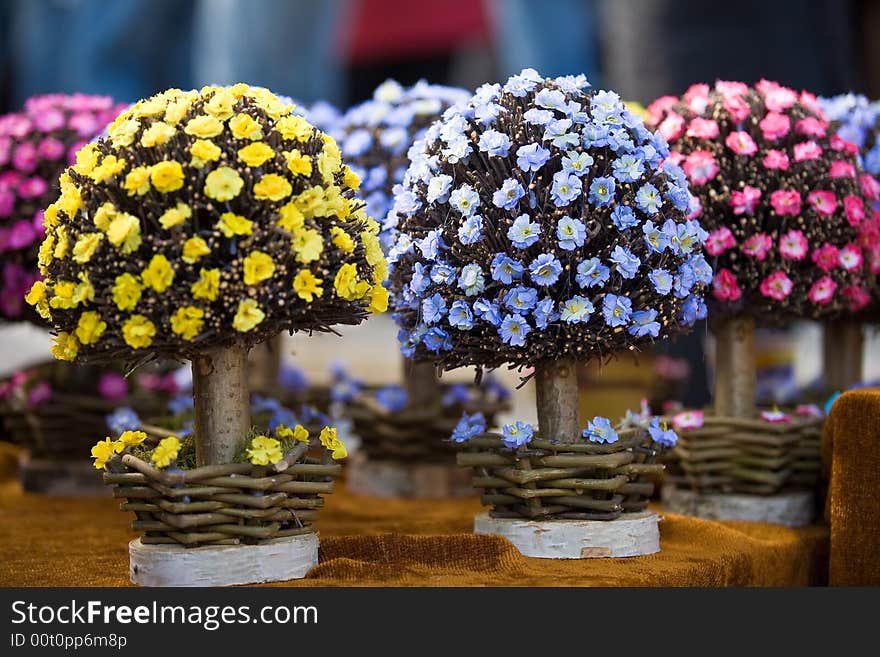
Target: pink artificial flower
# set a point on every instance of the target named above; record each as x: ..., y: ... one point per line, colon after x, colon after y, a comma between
x: 809, y: 410
x: 5, y: 150
x: 20, y: 126
x: 32, y: 187
x: 741, y: 143
x: 823, y: 202
x: 112, y: 386
x: 811, y: 102
x: 696, y: 98
x: 728, y: 88
x: 39, y: 394
x: 38, y: 222
x: 50, y: 149
x: 775, y: 126
x: 776, y: 160
x: 674, y: 157
x: 793, y: 245
x: 851, y: 257
x: 702, y: 128
x: 150, y: 381
x: 776, y: 286
x: 169, y: 384
x: 826, y: 257
x: 807, y: 150
x: 21, y: 235
x: 757, y: 246
x: 51, y: 119
x: 25, y: 157
x: 776, y: 97
x: 869, y: 230
x: 811, y: 127
x: 838, y: 143
x: 737, y: 108
x: 658, y: 108
x: 822, y: 291
x: 672, y: 126
x: 775, y: 416
x: 719, y: 241
x: 725, y: 286
x: 7, y: 202
x: 786, y: 202
x: 857, y: 297
x: 874, y: 259
x: 870, y: 187
x: 842, y: 169
x: 84, y: 123
x: 700, y: 166
x: 744, y: 202
x: 73, y: 150
x: 855, y: 209
x: 688, y: 420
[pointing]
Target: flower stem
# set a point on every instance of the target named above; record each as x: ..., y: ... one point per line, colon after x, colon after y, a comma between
x: 556, y: 391
x: 222, y: 407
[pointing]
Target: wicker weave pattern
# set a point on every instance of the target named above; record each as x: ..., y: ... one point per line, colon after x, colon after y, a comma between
x: 560, y: 480
x: 747, y: 456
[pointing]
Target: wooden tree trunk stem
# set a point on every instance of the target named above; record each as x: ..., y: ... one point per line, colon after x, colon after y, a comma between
x: 422, y: 385
x: 556, y: 392
x: 735, y: 374
x: 222, y: 407
x: 843, y: 349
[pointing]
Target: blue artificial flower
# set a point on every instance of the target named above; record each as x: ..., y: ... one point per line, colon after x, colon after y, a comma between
x: 465, y: 199
x: 261, y: 404
x: 595, y: 135
x: 375, y: 177
x: 520, y: 85
x: 442, y: 273
x: 406, y: 203
x: 655, y: 238
x: 431, y: 245
x: 571, y: 233
x: 471, y: 280
x: 644, y: 323
x: 460, y: 315
x: 494, y: 387
x: 602, y: 191
x: 345, y: 389
x: 392, y: 398
x: 662, y: 435
x: 545, y: 269
x: 180, y: 404
x: 438, y: 188
x: 572, y: 84
x: 123, y: 419
x: 606, y: 104
x: 628, y: 168
x: 488, y: 311
x: 433, y: 309
x: 577, y: 163
x: 524, y: 232
x: 683, y: 281
x: 550, y: 99
x: 566, y: 187
x: 531, y: 157
x: 457, y: 149
x: 521, y: 299
x: 662, y: 281
x: 671, y: 230
x: 356, y: 143
x: 702, y: 269
x: 692, y: 309
x: 513, y: 330
x: 456, y: 395
x: 517, y: 435
x: 625, y: 263
x: 619, y: 140
x: 282, y: 416
x: 436, y: 339
x: 293, y: 379
x: 420, y: 278
x: 691, y: 235
x: 468, y: 427
x: 544, y: 313
x: 616, y: 309
x: 494, y: 143
x: 508, y: 195
x: 186, y: 430
x: 557, y: 131
x: 648, y: 199
x: 599, y: 430
x: 576, y: 310
x: 471, y: 230
x: 624, y: 217
x: 394, y: 140
x: 505, y: 269
x: 537, y: 116
x: 591, y: 273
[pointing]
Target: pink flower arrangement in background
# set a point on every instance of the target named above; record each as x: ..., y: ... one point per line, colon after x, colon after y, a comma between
x: 688, y: 420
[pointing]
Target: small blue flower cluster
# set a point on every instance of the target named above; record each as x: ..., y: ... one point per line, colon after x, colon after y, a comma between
x: 374, y: 138
x: 535, y: 223
x: 858, y: 120
x: 123, y: 419
x: 279, y: 414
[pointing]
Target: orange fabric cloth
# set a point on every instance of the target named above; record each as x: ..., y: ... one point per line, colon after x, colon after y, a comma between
x: 852, y: 437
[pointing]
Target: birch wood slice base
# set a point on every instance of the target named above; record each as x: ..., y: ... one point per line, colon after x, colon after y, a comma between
x: 410, y: 480
x: 222, y: 565
x: 61, y: 478
x: 632, y: 535
x: 792, y: 509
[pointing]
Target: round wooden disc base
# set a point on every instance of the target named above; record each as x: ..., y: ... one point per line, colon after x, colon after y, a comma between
x: 411, y: 480
x: 222, y: 565
x: 631, y: 535
x: 793, y: 509
x: 61, y: 478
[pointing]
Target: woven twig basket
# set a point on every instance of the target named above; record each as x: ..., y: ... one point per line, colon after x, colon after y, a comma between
x: 223, y: 504
x: 560, y: 480
x: 736, y: 455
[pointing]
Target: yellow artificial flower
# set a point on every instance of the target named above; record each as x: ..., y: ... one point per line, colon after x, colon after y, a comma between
x: 223, y: 184
x: 63, y: 295
x: 167, y: 176
x: 193, y: 249
x: 204, y: 151
x: 258, y: 266
x: 62, y: 245
x: 86, y: 159
x: 350, y: 179
x: 312, y: 203
x: 272, y: 187
x: 50, y: 216
x: 208, y: 285
x: 295, y: 128
x: 44, y: 254
x: 83, y: 290
x: 244, y: 126
x: 378, y: 299
x: 307, y: 286
x: 37, y: 298
x: 307, y: 245
x: 125, y: 231
x: 187, y: 322
x: 175, y: 216
x: 297, y: 163
x: 108, y: 169
x: 150, y: 107
x: 122, y: 133
x: 86, y: 246
x: 66, y: 346
x: 137, y: 181
x: 126, y: 291
x: 254, y: 154
x: 157, y: 134
x: 345, y: 282
x: 335, y: 203
x: 90, y: 327
x: 159, y: 274
x: 103, y: 451
x: 232, y: 224
x: 203, y: 126
x: 176, y: 110
x: 239, y: 89
x: 138, y: 332
x: 298, y: 433
x: 329, y: 164
x: 247, y: 316
x: 342, y: 239
x: 70, y: 200
x: 291, y: 217
x: 220, y: 105
x: 132, y: 438
x: 165, y: 452
x: 104, y: 215
x: 264, y: 450
x: 331, y: 441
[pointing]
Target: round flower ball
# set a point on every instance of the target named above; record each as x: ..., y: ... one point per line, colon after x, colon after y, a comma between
x: 791, y: 230
x: 376, y: 136
x: 536, y: 224
x: 36, y: 145
x: 205, y: 219
x: 856, y: 119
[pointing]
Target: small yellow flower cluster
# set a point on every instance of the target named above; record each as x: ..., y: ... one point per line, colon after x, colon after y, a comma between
x: 104, y: 450
x: 265, y: 450
x: 205, y: 217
